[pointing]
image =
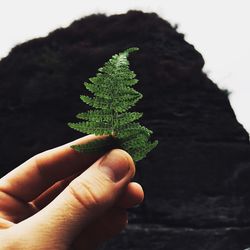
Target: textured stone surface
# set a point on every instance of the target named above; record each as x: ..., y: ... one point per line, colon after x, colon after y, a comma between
x: 141, y: 237
x: 196, y: 181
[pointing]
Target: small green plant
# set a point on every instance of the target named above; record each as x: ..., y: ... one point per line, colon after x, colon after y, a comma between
x: 113, y: 96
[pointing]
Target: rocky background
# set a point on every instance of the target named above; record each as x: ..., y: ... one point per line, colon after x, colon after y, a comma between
x: 196, y: 181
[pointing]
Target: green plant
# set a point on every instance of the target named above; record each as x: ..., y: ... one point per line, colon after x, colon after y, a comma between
x: 113, y: 96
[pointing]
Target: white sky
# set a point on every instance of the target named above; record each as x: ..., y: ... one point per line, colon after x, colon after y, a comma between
x: 219, y: 29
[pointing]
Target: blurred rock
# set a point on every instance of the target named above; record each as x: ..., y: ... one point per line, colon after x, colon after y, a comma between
x: 196, y: 181
x: 141, y: 237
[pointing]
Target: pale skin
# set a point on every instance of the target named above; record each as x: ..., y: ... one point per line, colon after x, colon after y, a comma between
x: 63, y: 200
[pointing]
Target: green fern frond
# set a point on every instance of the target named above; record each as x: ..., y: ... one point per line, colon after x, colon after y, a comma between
x: 125, y: 118
x: 95, y: 102
x: 97, y: 90
x: 132, y: 129
x: 96, y: 115
x: 113, y: 96
x: 98, y: 145
x: 97, y: 128
x: 137, y: 141
x: 140, y: 153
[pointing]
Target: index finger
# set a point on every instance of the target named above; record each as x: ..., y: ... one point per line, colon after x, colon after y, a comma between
x: 37, y: 174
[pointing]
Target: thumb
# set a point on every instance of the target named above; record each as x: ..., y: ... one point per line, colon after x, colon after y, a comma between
x: 86, y: 198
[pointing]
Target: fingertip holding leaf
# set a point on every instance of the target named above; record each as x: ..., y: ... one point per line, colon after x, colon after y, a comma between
x: 113, y: 96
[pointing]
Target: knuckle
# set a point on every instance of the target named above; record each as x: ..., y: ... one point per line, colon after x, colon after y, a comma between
x: 86, y: 194
x: 36, y: 162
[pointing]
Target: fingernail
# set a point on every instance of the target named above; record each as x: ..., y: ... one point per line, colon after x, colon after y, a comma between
x: 115, y: 165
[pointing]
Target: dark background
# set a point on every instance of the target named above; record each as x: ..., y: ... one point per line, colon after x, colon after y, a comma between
x: 197, y: 179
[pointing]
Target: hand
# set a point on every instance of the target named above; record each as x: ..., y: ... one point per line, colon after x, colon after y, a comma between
x: 61, y: 199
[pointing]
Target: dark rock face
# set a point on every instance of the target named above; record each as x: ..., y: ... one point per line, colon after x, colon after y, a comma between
x: 163, y: 238
x: 196, y: 181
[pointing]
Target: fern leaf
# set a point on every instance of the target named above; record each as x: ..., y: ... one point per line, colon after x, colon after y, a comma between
x: 96, y: 115
x: 135, y: 142
x: 132, y: 129
x: 141, y: 152
x: 95, y: 102
x: 102, y: 145
x: 131, y: 82
x: 125, y: 90
x: 91, y: 127
x: 113, y: 96
x: 125, y: 103
x: 125, y: 118
x: 100, y: 91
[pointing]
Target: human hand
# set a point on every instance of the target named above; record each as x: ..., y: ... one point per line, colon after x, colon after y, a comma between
x: 62, y: 200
